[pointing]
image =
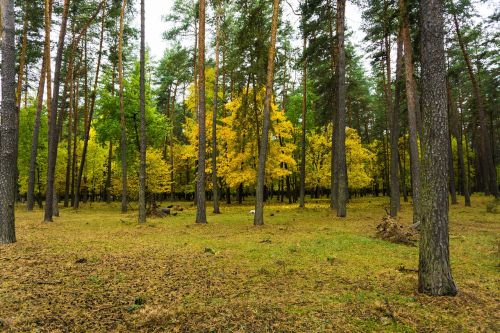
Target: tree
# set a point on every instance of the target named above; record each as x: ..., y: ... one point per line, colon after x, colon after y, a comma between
x: 340, y: 158
x: 53, y: 135
x: 434, y: 273
x: 41, y: 86
x: 304, y: 111
x: 259, y: 196
x: 142, y: 169
x: 486, y: 156
x: 413, y: 115
x: 200, y: 187
x: 123, y: 141
x: 394, y: 124
x: 92, y: 107
x: 215, y: 186
x: 8, y: 126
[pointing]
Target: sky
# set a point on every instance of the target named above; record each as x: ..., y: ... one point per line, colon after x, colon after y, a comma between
x: 157, y: 9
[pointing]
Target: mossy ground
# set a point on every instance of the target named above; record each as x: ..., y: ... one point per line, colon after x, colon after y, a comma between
x: 306, y: 270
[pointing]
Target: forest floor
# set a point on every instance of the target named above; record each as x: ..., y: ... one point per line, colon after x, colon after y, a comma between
x: 306, y: 270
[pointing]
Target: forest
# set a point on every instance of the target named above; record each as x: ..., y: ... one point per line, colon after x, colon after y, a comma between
x: 272, y: 166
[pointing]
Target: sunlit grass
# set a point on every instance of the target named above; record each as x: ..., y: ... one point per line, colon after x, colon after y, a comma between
x: 305, y: 270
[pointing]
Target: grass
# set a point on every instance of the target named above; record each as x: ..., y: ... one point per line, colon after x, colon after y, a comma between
x: 306, y: 270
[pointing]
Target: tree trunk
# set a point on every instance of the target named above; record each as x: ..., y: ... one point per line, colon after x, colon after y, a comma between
x: 261, y: 173
x: 434, y: 273
x: 215, y: 185
x: 342, y: 192
x: 411, y: 101
x: 8, y: 126
x: 486, y: 156
x: 90, y: 116
x: 108, y: 172
x: 123, y: 142
x: 201, y: 214
x: 394, y: 185
x: 22, y: 57
x: 52, y: 147
x: 304, y: 124
x: 36, y: 128
x: 142, y: 169
x: 453, y: 191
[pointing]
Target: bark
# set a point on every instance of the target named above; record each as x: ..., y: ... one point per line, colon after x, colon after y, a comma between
x: 259, y: 197
x: 22, y: 57
x: 142, y: 169
x: 394, y: 184
x: 215, y: 186
x: 36, y: 133
x: 108, y: 172
x: 171, y: 143
x: 304, y: 126
x: 68, y: 148
x: 453, y: 191
x: 52, y: 147
x: 123, y: 142
x: 333, y: 161
x: 486, y: 155
x: 411, y: 101
x: 90, y: 116
x: 8, y: 126
x: 201, y: 215
x: 342, y: 192
x: 434, y: 273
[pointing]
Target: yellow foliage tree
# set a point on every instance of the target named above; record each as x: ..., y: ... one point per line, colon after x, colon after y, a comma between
x: 318, y: 160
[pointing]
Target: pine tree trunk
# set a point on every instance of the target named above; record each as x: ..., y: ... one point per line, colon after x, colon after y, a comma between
x: 142, y: 169
x: 201, y: 214
x: 434, y: 273
x: 486, y: 155
x: 215, y: 185
x: 412, y: 105
x: 261, y: 171
x: 108, y: 173
x: 36, y: 129
x: 22, y: 57
x: 304, y: 126
x: 395, y: 195
x: 8, y: 126
x: 52, y: 147
x: 90, y: 116
x: 123, y: 142
x: 342, y: 195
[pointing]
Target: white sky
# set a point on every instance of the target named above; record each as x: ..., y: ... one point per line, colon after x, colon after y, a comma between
x: 157, y: 9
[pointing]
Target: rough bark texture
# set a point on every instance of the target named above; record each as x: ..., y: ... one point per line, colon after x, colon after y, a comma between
x: 215, y: 185
x: 434, y: 274
x: 340, y: 106
x: 201, y: 214
x: 8, y: 126
x: 412, y: 105
x: 123, y: 142
x: 304, y: 126
x: 264, y: 142
x: 142, y: 169
x: 52, y: 150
